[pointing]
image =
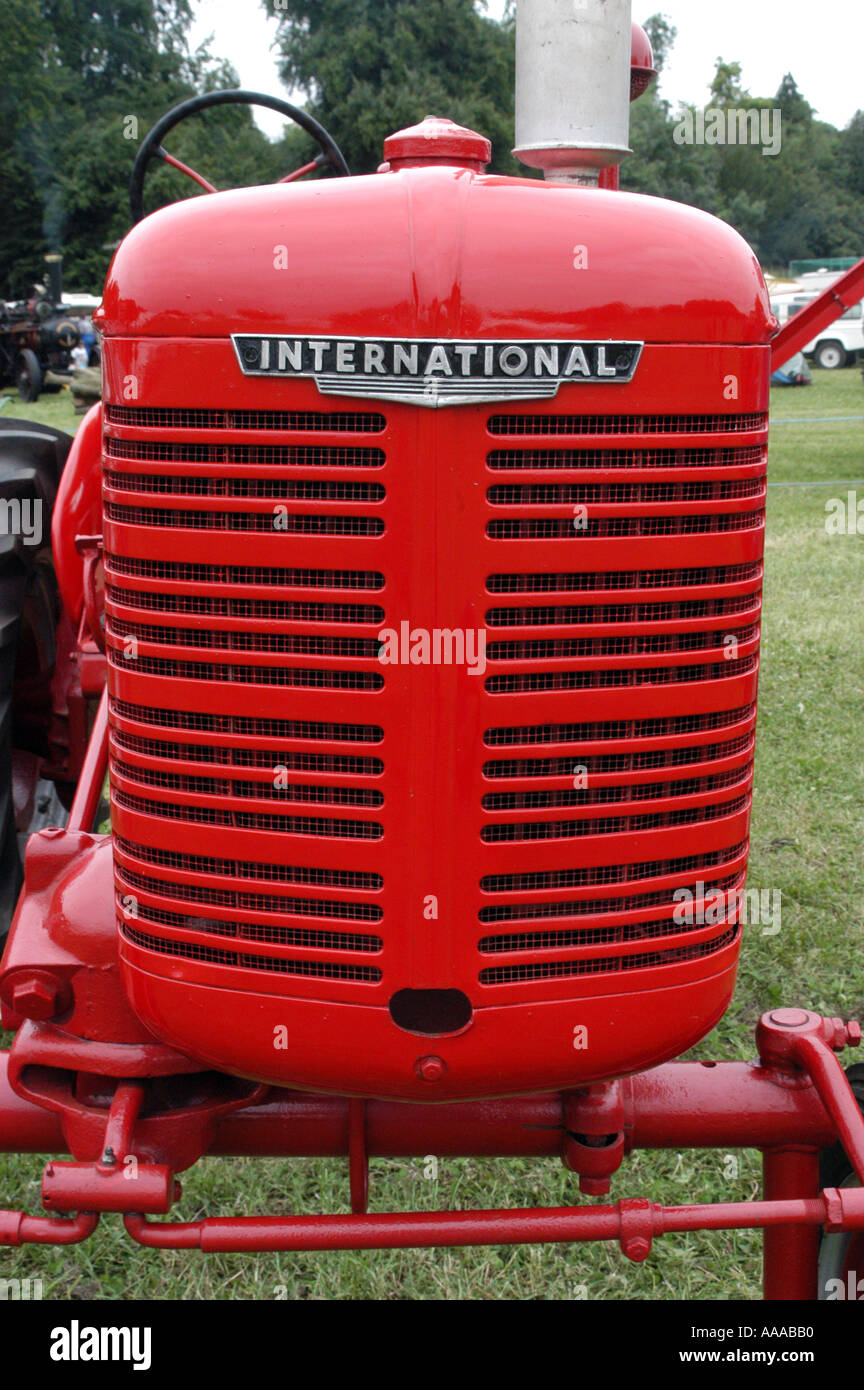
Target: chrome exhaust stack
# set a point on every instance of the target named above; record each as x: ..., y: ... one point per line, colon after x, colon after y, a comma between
x: 573, y: 86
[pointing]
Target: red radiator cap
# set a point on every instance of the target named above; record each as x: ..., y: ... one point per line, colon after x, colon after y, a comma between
x: 437, y: 141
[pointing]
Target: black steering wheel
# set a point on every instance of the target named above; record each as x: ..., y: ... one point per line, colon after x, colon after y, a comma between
x: 234, y: 96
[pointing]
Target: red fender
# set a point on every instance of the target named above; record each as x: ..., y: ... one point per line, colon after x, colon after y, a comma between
x: 78, y: 510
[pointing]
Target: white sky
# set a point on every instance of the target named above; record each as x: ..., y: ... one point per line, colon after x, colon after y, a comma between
x: 819, y: 43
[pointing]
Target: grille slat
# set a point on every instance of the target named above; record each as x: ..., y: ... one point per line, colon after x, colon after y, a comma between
x: 318, y: 422
x: 213, y: 955
x: 627, y: 424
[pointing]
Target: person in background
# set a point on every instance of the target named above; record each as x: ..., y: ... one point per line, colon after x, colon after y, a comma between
x: 88, y: 336
x: 79, y: 357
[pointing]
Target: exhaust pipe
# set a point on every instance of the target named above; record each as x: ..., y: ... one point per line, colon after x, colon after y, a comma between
x: 54, y: 277
x: 573, y: 86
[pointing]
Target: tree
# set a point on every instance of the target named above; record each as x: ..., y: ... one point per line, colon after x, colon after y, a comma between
x: 83, y: 83
x: 662, y: 35
x: 369, y: 67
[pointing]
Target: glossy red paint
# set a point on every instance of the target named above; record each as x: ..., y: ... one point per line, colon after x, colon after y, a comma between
x: 78, y: 510
x: 233, y: 916
x: 408, y: 786
x: 818, y: 315
x: 427, y: 252
x: 682, y: 1104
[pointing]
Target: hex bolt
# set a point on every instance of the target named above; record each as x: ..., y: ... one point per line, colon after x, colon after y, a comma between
x: 109, y: 1158
x: 431, y: 1068
x: 35, y: 997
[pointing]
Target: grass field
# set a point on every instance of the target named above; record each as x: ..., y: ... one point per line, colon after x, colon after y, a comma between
x: 807, y: 842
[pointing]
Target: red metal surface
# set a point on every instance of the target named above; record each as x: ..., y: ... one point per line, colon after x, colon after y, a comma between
x: 89, y: 790
x: 489, y: 257
x: 190, y: 173
x: 633, y: 1224
x: 436, y: 141
x: 679, y: 1105
x: 790, y: 1253
x: 818, y: 315
x: 789, y: 1128
x: 299, y: 173
x: 404, y: 786
x: 428, y: 833
x: 78, y: 510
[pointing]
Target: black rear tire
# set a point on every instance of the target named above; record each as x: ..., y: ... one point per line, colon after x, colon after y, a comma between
x: 838, y: 1254
x: 28, y: 375
x: 31, y: 460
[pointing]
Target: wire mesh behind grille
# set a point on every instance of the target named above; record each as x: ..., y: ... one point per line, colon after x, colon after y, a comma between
x: 671, y: 768
x: 202, y: 777
x: 318, y: 422
x: 215, y: 955
x: 627, y: 424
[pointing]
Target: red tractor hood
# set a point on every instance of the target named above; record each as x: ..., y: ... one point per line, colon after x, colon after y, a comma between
x: 439, y: 252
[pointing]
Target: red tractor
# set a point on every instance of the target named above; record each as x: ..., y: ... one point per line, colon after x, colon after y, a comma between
x: 411, y: 570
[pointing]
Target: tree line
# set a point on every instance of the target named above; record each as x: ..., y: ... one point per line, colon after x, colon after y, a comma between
x: 83, y: 80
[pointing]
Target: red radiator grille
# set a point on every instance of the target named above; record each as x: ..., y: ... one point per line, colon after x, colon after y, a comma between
x: 272, y: 609
x: 683, y: 763
x: 236, y: 575
x: 627, y: 424
x: 549, y: 647
x: 642, y: 929
x: 318, y: 422
x: 608, y: 825
x: 643, y: 580
x: 597, y: 965
x: 627, y: 645
x: 617, y: 762
x: 241, y: 869
x: 606, y: 875
x: 259, y: 791
x: 310, y: 644
x: 588, y: 907
x: 211, y: 955
x: 261, y: 903
x: 617, y: 679
x: 266, y: 455
x: 248, y: 725
x: 591, y: 615
x: 193, y: 782
x: 324, y: 826
x: 297, y: 679
x: 251, y: 757
x: 306, y: 489
x: 565, y: 528
x: 634, y: 460
x: 300, y: 524
x: 621, y: 730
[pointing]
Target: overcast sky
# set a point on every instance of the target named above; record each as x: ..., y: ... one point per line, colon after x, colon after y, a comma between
x: 819, y: 43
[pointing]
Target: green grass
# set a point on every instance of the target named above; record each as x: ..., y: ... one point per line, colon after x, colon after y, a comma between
x: 807, y: 842
x: 53, y: 409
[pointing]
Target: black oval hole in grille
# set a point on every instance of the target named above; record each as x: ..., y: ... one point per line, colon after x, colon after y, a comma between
x: 430, y: 1012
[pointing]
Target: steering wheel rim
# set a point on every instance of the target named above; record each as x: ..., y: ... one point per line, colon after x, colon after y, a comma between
x: 232, y: 96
